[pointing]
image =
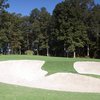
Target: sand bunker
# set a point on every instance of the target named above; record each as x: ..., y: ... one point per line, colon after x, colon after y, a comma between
x: 29, y: 73
x: 71, y: 82
x: 87, y: 67
x: 21, y: 70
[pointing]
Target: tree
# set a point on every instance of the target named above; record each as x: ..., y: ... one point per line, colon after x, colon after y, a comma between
x: 13, y: 32
x: 40, y: 22
x: 34, y: 20
x: 35, y: 15
x: 3, y: 5
x: 69, y: 26
x: 95, y: 30
x: 44, y: 26
x: 3, y: 37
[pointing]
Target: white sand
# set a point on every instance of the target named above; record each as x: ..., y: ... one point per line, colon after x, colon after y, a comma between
x: 29, y: 73
x: 87, y: 67
x: 21, y: 70
x: 71, y: 82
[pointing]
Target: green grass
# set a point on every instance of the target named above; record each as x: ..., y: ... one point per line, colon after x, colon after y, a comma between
x: 11, y: 92
x: 52, y: 65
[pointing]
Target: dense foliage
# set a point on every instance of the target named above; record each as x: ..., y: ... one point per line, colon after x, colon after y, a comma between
x: 72, y: 30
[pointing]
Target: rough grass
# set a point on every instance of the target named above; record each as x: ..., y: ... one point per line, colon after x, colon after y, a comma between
x: 52, y: 65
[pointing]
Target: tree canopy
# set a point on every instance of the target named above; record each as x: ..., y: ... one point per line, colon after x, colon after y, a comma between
x: 72, y: 30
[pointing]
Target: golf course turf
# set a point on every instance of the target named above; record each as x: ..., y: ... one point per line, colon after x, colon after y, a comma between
x: 52, y: 65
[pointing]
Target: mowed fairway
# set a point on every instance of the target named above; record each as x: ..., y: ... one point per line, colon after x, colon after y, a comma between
x: 52, y: 65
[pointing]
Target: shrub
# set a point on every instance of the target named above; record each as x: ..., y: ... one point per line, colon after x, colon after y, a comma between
x: 29, y: 52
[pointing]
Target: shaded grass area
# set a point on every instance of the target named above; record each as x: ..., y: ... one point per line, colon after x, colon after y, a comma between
x: 59, y: 66
x: 96, y: 76
x: 11, y: 92
x: 52, y: 65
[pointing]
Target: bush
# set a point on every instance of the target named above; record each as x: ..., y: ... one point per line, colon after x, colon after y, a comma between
x: 29, y: 52
x: 97, y: 54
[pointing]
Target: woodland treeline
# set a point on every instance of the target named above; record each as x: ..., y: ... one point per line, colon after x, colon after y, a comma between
x: 72, y: 30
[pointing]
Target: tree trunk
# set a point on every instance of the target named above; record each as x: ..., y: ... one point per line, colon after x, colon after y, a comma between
x: 20, y: 51
x: 38, y: 51
x: 67, y: 54
x: 74, y: 54
x: 47, y: 51
x: 27, y: 42
x: 88, y: 51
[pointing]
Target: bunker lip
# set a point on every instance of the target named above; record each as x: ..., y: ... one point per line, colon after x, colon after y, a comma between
x: 29, y: 73
x: 87, y: 67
